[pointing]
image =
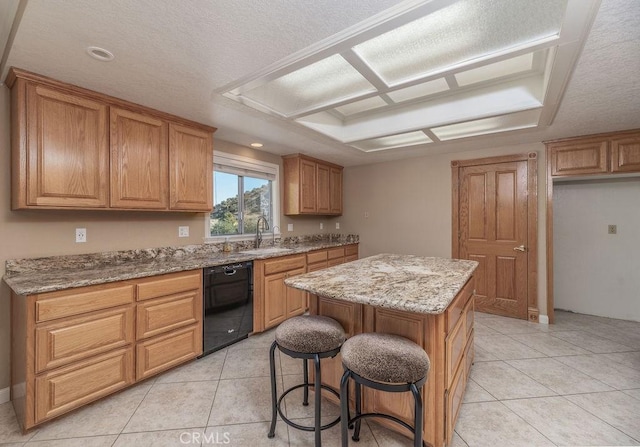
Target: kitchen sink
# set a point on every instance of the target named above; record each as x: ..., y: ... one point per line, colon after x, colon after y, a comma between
x: 266, y: 251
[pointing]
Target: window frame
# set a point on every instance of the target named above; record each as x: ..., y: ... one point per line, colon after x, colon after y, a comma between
x: 247, y: 166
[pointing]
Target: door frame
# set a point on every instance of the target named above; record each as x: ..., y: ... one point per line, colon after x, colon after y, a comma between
x: 532, y: 217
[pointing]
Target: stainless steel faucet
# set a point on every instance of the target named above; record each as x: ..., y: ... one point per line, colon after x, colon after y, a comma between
x: 258, y: 232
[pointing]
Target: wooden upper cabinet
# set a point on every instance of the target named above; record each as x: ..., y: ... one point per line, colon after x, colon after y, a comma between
x: 65, y: 158
x: 190, y: 169
x: 579, y: 158
x: 610, y: 153
x: 625, y: 154
x: 311, y: 186
x: 73, y: 148
x: 139, y: 161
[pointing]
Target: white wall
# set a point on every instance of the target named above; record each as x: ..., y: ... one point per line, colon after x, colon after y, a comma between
x: 594, y: 272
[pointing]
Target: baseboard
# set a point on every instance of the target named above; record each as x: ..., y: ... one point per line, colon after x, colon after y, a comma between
x: 543, y: 319
x: 5, y: 395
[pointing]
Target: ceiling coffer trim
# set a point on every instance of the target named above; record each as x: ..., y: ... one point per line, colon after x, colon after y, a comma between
x: 364, y: 105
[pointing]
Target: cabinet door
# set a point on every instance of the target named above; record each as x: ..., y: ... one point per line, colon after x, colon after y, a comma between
x: 67, y: 150
x: 296, y: 299
x: 307, y: 186
x: 139, y: 161
x: 190, y: 169
x: 323, y: 192
x: 579, y: 158
x: 335, y: 187
x: 625, y: 154
x: 275, y: 300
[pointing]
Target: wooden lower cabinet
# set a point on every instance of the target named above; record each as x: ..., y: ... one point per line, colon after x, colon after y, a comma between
x: 450, y: 350
x: 72, y: 347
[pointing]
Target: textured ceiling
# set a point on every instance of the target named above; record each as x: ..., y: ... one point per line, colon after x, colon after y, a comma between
x: 172, y: 55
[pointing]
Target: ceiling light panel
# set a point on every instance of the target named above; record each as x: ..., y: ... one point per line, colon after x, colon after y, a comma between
x: 421, y: 90
x: 393, y: 141
x: 464, y: 31
x: 496, y: 124
x: 361, y: 106
x: 515, y: 65
x: 328, y: 81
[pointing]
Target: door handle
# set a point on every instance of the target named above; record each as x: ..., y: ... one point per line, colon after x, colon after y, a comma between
x: 521, y: 248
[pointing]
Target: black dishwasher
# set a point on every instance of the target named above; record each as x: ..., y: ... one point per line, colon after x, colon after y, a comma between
x: 228, y: 305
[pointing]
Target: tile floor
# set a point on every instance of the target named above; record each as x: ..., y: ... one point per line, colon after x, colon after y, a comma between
x: 573, y: 383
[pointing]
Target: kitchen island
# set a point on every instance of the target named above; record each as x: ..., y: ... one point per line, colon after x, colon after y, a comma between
x: 427, y: 300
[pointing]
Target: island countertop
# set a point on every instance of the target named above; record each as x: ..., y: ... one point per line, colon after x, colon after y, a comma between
x: 401, y: 282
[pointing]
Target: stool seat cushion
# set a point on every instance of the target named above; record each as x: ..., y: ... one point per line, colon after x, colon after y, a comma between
x: 385, y: 358
x: 310, y: 334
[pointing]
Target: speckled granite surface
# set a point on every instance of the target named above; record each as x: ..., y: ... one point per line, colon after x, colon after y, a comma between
x: 401, y: 282
x: 39, y: 275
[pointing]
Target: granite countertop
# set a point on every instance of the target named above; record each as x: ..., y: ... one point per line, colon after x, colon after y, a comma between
x: 401, y: 282
x: 39, y: 275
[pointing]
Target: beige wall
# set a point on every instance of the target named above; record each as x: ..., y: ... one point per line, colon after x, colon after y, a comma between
x: 409, y: 205
x: 27, y: 234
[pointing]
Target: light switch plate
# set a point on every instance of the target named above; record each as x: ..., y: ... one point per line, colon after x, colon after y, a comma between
x: 337, y: 225
x: 183, y: 231
x: 321, y: 225
x: 289, y: 227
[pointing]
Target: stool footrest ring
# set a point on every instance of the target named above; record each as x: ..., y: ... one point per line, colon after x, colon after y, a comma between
x: 306, y: 427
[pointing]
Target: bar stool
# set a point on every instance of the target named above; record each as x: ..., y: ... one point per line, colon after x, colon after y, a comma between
x: 383, y: 362
x: 307, y: 337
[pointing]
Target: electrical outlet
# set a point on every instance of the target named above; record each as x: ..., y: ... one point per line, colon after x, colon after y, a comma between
x: 321, y: 225
x: 81, y: 235
x: 337, y: 225
x: 613, y: 229
x: 366, y: 214
x: 289, y: 227
x: 183, y: 231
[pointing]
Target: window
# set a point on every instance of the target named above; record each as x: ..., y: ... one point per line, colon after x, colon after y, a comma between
x: 243, y: 190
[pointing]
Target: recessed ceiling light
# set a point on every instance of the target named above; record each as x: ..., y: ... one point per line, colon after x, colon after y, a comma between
x: 256, y: 145
x: 100, y: 53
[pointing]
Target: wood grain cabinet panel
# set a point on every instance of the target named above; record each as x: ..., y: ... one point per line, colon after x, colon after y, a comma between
x: 311, y: 186
x: 61, y: 390
x: 625, y: 154
x: 163, y: 352
x: 579, y: 158
x: 67, y: 152
x: 69, y: 340
x: 165, y: 314
x: 139, y: 161
x: 190, y: 169
x: 275, y: 300
x: 163, y: 285
x: 454, y: 402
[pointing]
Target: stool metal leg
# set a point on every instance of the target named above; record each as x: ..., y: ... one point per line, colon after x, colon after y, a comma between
x: 418, y: 419
x: 274, y: 396
x: 344, y: 408
x: 356, y: 432
x: 305, y: 372
x: 317, y: 389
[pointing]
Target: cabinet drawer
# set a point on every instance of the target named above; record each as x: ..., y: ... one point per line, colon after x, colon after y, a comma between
x: 455, y: 344
x: 336, y: 261
x: 65, y: 389
x: 154, y: 317
x: 351, y: 250
x: 468, y: 355
x: 454, y: 402
x: 316, y: 256
x: 284, y: 264
x: 74, y: 339
x: 469, y: 315
x: 163, y: 352
x: 350, y: 258
x: 168, y: 284
x: 334, y: 253
x: 66, y: 303
x: 455, y: 309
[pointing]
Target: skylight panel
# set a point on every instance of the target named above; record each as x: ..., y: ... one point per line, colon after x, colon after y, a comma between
x: 497, y: 70
x: 420, y: 90
x: 325, y: 82
x: 392, y: 141
x: 361, y: 106
x: 496, y: 124
x: 464, y: 31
